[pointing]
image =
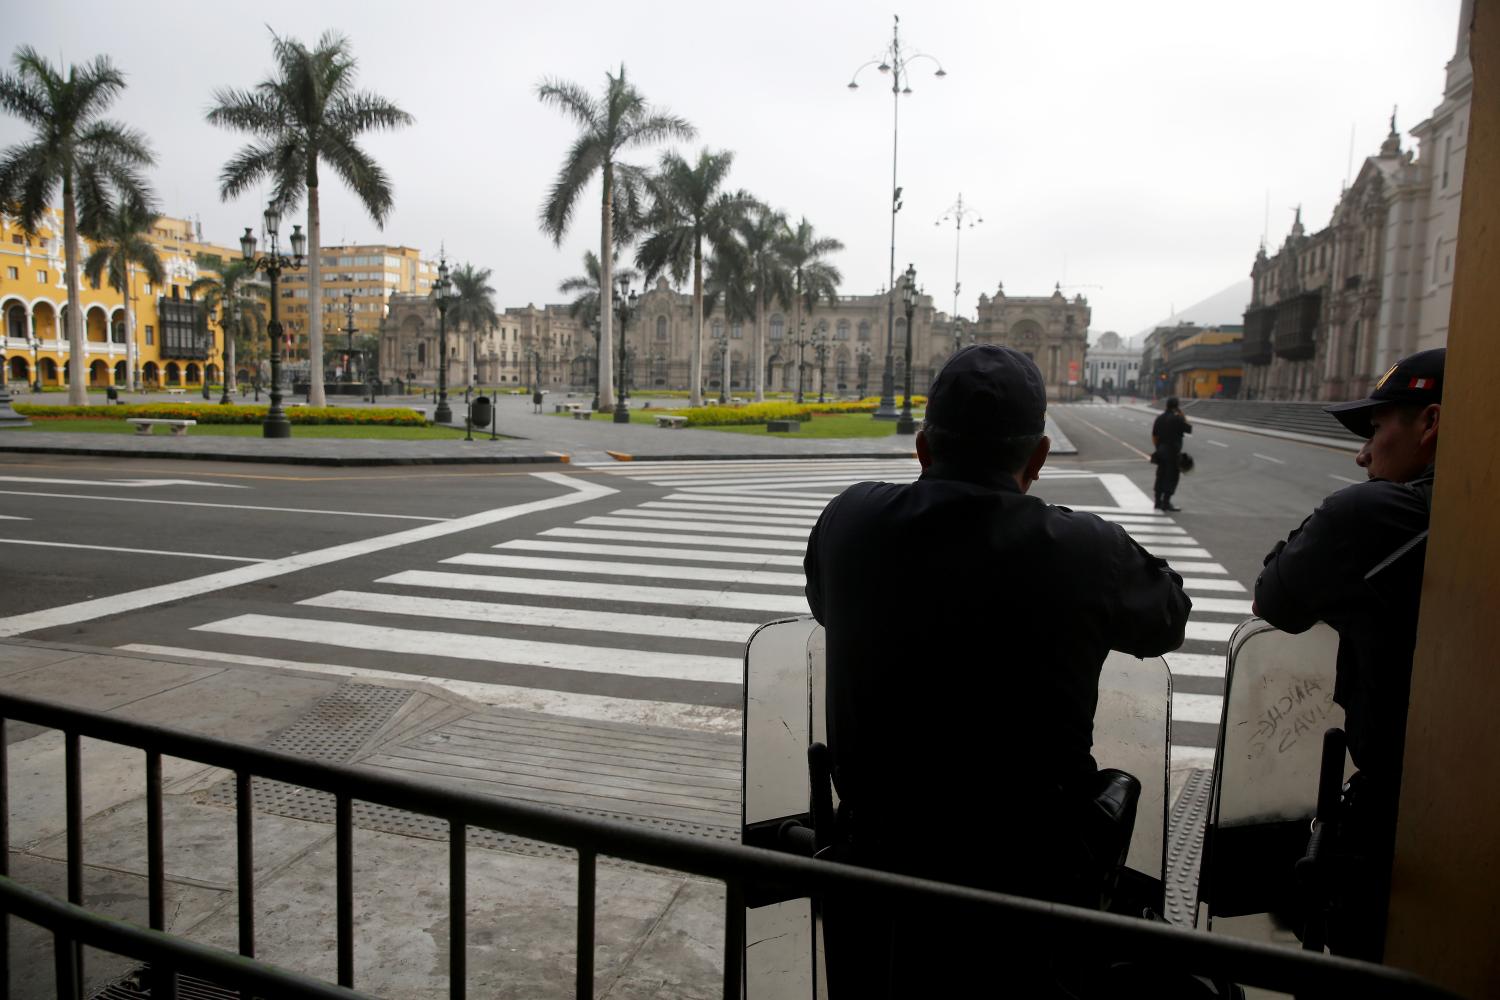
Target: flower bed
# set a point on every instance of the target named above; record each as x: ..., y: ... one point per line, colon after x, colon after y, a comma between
x: 213, y: 413
x: 759, y: 413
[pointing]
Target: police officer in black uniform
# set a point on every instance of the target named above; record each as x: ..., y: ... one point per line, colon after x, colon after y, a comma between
x: 966, y: 624
x: 1166, y: 438
x: 1351, y: 564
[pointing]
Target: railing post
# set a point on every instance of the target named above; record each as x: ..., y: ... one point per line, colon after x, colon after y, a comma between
x: 73, y: 792
x: 344, y: 863
x: 244, y: 822
x: 155, y: 864
x: 458, y: 906
x: 4, y: 863
x: 734, y: 939
x: 586, y: 865
x: 68, y: 977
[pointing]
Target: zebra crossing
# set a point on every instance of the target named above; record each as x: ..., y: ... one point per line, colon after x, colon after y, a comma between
x: 652, y: 602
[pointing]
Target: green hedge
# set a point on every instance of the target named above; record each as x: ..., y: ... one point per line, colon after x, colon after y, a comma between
x: 214, y: 413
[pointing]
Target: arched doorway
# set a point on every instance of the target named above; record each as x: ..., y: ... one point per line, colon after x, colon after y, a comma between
x: 98, y: 373
x: 211, y: 372
x: 174, y: 374
x: 190, y: 376
x: 20, y: 370
x: 122, y: 375
x: 150, y: 374
x: 16, y: 327
x: 49, y: 372
x: 44, y: 318
x: 96, y: 326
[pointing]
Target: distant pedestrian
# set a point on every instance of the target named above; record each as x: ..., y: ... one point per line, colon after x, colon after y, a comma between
x: 1166, y: 440
x: 536, y: 401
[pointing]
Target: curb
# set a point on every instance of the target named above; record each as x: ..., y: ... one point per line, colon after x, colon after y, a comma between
x: 620, y: 456
x: 268, y: 458
x: 1326, y: 442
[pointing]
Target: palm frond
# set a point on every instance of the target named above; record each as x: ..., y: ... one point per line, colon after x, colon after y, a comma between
x: 351, y: 114
x: 366, y: 178
x: 255, y: 111
x: 246, y: 169
x: 583, y: 159
x: 572, y: 100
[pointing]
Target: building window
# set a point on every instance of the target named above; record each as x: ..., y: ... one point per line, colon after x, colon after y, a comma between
x: 150, y: 334
x: 1447, y: 158
x: 778, y: 327
x: 864, y: 330
x: 41, y: 276
x: 12, y: 273
x: 736, y: 332
x: 16, y: 239
x: 661, y: 328
x: 717, y: 330
x: 842, y: 333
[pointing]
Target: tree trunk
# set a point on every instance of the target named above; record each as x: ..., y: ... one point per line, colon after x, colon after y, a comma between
x: 760, y: 344
x: 606, y: 292
x: 315, y: 394
x: 129, y: 331
x: 78, y: 392
x: 696, y: 397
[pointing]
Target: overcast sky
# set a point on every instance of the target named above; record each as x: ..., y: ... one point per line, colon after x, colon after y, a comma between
x: 1124, y: 149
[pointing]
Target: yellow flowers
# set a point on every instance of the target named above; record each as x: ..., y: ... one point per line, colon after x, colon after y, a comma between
x: 759, y: 413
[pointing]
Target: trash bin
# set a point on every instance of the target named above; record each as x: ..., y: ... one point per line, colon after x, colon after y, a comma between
x: 480, y: 413
x: 112, y: 394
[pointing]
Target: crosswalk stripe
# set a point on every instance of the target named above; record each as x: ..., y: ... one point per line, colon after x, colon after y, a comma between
x: 734, y: 529
x: 794, y: 604
x: 754, y: 501
x: 1170, y: 552
x: 1212, y: 631
x: 1207, y: 708
x: 702, y: 515
x: 1222, y: 605
x: 1151, y: 539
x: 719, y: 541
x: 534, y: 615
x: 1143, y: 519
x: 777, y: 482
x: 822, y: 496
x: 646, y: 469
x: 489, y: 649
x: 698, y: 555
x: 799, y: 513
x: 727, y: 576
x: 1200, y: 583
x: 1187, y: 566
x: 1196, y: 664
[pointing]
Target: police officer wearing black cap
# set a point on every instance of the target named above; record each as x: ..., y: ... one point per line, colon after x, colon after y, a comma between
x: 1356, y: 564
x: 966, y: 624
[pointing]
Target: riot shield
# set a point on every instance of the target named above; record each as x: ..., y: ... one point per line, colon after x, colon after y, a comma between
x: 784, y: 713
x: 1278, y: 702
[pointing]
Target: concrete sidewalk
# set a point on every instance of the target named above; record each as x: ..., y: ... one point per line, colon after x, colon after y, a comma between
x: 659, y: 934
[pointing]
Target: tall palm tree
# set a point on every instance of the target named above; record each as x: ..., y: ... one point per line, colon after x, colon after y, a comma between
x: 91, y: 156
x: 240, y: 298
x: 688, y: 209
x: 308, y: 112
x: 617, y: 120
x: 473, y: 304
x: 119, y: 238
x: 813, y: 278
x: 761, y: 234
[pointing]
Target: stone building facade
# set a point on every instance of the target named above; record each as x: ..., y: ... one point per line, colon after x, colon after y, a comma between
x: 1330, y: 312
x: 1053, y: 331
x: 1112, y: 364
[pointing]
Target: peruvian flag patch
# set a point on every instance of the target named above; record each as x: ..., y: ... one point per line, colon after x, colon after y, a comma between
x: 1422, y: 383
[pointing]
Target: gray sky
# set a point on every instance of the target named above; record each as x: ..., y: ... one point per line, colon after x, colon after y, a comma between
x: 1129, y: 146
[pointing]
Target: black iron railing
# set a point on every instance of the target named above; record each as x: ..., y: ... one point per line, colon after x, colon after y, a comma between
x: 1022, y: 926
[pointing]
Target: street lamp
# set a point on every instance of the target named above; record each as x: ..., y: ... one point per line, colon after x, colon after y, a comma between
x: 906, y: 425
x: 442, y: 291
x: 224, y: 399
x: 960, y: 214
x: 276, y: 424
x: 862, y: 353
x: 628, y: 300
x: 349, y: 332
x: 36, y: 364
x: 597, y: 327
x: 895, y: 61
x: 724, y: 369
x: 820, y: 351
x: 801, y: 342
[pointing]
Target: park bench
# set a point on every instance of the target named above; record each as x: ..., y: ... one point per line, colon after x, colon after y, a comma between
x: 580, y: 413
x: 670, y: 420
x: 176, y: 391
x: 145, y: 425
x: 564, y: 407
x: 783, y: 426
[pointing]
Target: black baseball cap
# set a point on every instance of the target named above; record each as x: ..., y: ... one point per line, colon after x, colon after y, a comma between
x: 1415, y: 380
x: 986, y: 391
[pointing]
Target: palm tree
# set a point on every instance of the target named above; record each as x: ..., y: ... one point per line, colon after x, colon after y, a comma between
x: 687, y: 210
x: 240, y: 299
x: 91, y: 156
x: 727, y: 283
x: 761, y: 234
x: 813, y: 278
x: 587, y: 300
x: 308, y: 112
x: 119, y: 238
x: 473, y: 304
x: 617, y: 120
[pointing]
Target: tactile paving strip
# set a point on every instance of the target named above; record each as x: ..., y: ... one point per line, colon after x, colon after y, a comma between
x: 1185, y: 848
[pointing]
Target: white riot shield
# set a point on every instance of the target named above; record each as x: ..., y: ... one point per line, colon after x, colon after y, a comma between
x: 1278, y: 702
x: 784, y: 713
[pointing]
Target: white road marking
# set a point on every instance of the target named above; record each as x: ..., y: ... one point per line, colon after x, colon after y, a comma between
x: 489, y: 649
x: 728, y: 511
x: 702, y: 718
x: 678, y: 515
x: 1107, y: 514
x: 535, y: 615
x: 1129, y: 496
x: 600, y: 567
x: 1207, y: 708
x: 1222, y: 605
x: 1212, y: 631
x: 144, y: 552
x: 1217, y: 444
x: 1267, y: 458
x: 583, y: 490
x: 131, y: 483
x: 1346, y: 479
x: 646, y: 552
x: 1196, y: 664
x: 822, y: 496
x: 733, y: 529
x: 720, y: 541
x: 703, y: 499
x: 1183, y: 566
x: 223, y: 506
x: 1169, y: 552
x: 584, y: 591
x: 1200, y: 583
x: 648, y: 470
x: 11, y: 517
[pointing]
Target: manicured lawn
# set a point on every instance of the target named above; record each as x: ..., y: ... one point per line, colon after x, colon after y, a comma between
x: 254, y: 430
x: 828, y: 425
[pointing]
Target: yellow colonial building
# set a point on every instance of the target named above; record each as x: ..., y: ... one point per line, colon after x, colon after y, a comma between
x: 358, y: 280
x: 166, y: 346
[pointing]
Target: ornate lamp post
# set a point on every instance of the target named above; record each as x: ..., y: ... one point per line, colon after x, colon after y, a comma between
x: 801, y: 342
x: 349, y: 332
x: 595, y: 325
x: 627, y: 301
x: 36, y: 364
x: 276, y: 424
x: 960, y: 214
x: 224, y: 399
x: 724, y: 368
x: 820, y: 351
x: 442, y: 291
x: 895, y: 61
x: 906, y: 425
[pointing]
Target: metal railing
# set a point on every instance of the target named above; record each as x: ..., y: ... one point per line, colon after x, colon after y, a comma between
x: 1021, y: 926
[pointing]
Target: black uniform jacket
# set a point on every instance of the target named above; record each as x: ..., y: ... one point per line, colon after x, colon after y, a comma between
x: 966, y: 625
x: 1318, y: 574
x: 1168, y: 430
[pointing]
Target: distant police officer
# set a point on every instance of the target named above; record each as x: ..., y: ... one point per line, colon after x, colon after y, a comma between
x: 1350, y: 564
x: 1166, y: 440
x: 966, y: 624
